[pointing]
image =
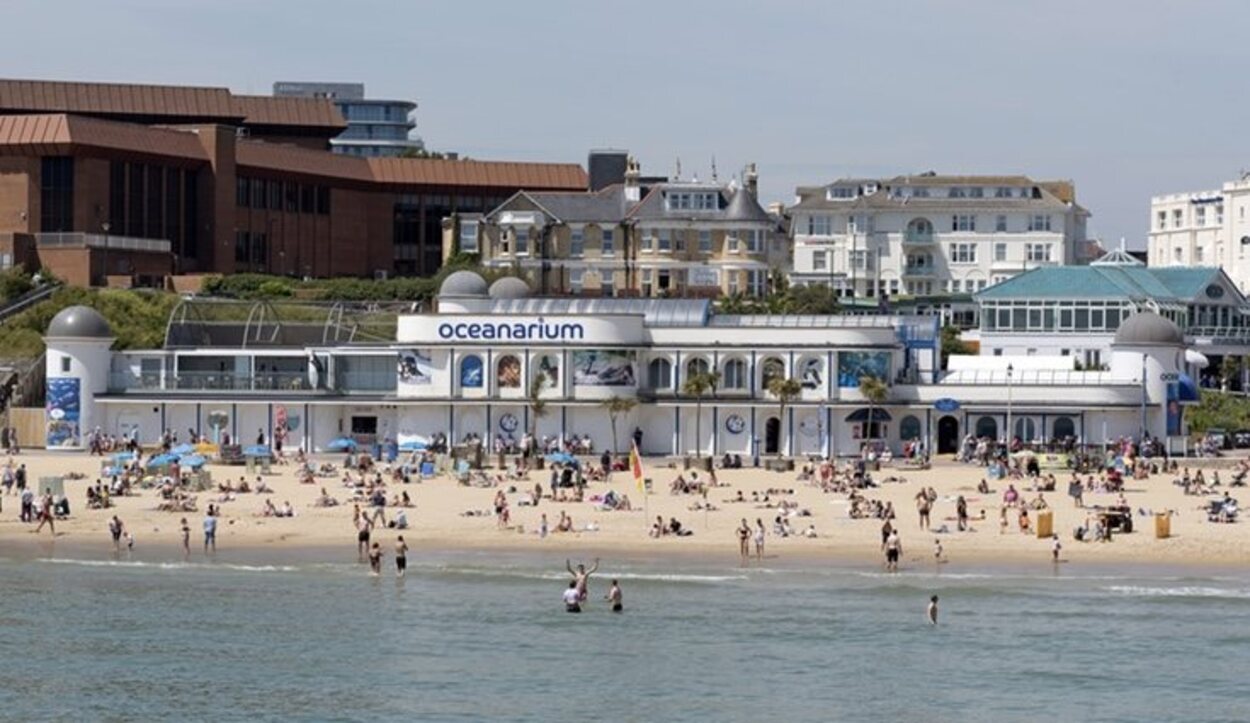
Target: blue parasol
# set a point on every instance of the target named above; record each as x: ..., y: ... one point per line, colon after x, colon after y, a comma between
x: 182, y: 449
x: 161, y: 460
x: 257, y: 450
x: 561, y: 458
x: 342, y: 444
x: 191, y: 460
x: 414, y: 445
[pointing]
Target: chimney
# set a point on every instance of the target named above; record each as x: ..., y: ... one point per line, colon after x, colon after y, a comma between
x: 633, y: 172
x: 777, y: 208
x: 751, y: 180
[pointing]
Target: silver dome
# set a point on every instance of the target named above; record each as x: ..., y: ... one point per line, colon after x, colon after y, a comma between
x: 463, y: 283
x: 79, y: 322
x: 1147, y: 328
x: 509, y: 287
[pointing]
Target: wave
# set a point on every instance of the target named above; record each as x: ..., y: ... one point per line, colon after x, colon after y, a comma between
x: 562, y: 575
x: 1187, y: 591
x: 171, y: 565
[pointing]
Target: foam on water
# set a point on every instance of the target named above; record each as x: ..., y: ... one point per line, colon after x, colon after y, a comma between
x: 1186, y: 591
x: 140, y: 564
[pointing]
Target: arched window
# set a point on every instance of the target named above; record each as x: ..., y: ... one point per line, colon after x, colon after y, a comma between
x: 697, y: 365
x: 1064, y: 427
x: 909, y: 428
x: 660, y: 374
x: 919, y: 230
x: 735, y: 374
x: 471, y: 376
x: 773, y: 368
x: 1026, y: 429
x: 508, y: 372
x: 987, y: 427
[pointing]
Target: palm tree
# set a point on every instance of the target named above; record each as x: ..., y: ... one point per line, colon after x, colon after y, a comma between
x: 697, y: 385
x: 537, y: 405
x: 786, y: 391
x: 875, y: 391
x: 616, y: 406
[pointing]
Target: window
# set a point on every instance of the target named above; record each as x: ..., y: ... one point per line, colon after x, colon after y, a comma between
x: 1162, y: 219
x: 963, y: 222
x: 735, y: 375
x: 705, y: 241
x: 735, y: 287
x: 1039, y: 223
x: 1178, y: 255
x: 242, y: 191
x: 56, y: 194
x: 307, y: 199
x: 963, y: 253
x: 242, y: 242
x: 1219, y: 214
x: 819, y: 226
x: 1178, y: 216
x: 697, y: 365
x: 909, y: 428
x: 609, y: 242
x: 660, y: 374
x: 577, y: 243
x: 647, y: 276
x: 1000, y: 252
x: 755, y: 241
x: 323, y: 200
x: 679, y: 240
x: 859, y: 260
x: 522, y: 235
x: 66, y: 363
x: 1200, y: 216
x: 841, y: 192
x: 1000, y: 223
x: 1199, y: 253
x: 1002, y: 192
x: 731, y: 242
x: 976, y: 192
x: 956, y: 192
x: 691, y: 201
x: 757, y: 282
x: 820, y: 261
x: 1037, y: 252
x: 576, y: 279
x: 468, y: 237
x: 664, y: 240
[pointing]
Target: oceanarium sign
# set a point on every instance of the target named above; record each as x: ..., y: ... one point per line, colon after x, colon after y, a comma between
x: 487, y: 329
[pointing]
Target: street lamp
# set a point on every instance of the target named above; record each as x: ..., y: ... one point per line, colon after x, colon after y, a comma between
x: 105, y: 226
x: 1010, y: 369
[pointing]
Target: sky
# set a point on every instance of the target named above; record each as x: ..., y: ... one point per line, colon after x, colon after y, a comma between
x: 1126, y: 98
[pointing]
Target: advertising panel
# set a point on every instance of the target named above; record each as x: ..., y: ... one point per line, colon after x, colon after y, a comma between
x: 604, y: 368
x: 64, y: 408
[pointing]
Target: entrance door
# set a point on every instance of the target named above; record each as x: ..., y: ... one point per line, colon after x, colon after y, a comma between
x: 772, y: 436
x: 365, y: 429
x: 948, y: 435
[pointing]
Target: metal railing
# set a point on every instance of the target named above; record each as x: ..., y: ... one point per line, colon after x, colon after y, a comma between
x: 1033, y: 377
x: 78, y: 239
x: 125, y: 381
x: 29, y: 299
x: 1218, y: 332
x: 366, y: 381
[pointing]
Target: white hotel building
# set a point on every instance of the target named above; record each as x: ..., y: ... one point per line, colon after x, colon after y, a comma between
x: 471, y: 366
x: 932, y: 235
x: 1204, y: 228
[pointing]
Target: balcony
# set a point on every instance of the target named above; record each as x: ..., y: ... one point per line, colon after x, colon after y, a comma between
x: 919, y: 238
x: 79, y: 240
x: 919, y: 270
x: 125, y: 381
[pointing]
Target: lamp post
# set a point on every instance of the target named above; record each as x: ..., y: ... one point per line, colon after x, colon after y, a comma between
x: 1142, y: 437
x: 105, y: 227
x: 1010, y: 369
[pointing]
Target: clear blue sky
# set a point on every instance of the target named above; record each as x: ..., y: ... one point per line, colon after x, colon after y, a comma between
x: 1126, y: 98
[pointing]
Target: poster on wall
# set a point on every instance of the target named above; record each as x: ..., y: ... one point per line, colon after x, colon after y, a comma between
x: 548, y: 372
x: 1174, y: 410
x: 508, y: 372
x: 812, y: 373
x: 414, y: 367
x: 852, y: 365
x: 603, y: 368
x: 471, y: 373
x: 64, y: 408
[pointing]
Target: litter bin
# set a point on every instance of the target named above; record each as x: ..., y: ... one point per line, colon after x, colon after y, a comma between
x: 1045, y: 524
x: 1163, y: 526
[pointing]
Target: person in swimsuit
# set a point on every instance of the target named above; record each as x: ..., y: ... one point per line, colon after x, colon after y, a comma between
x: 363, y: 527
x: 115, y: 529
x: 937, y: 551
x: 614, y: 596
x: 581, y: 577
x: 186, y: 539
x: 572, y: 599
x: 893, y: 549
x: 759, y: 539
x: 933, y: 610
x: 744, y: 539
x: 375, y: 558
x: 401, y: 556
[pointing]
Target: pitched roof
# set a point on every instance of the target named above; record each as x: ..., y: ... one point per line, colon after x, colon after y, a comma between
x: 608, y: 204
x: 1054, y: 194
x: 59, y: 133
x: 1136, y: 283
x: 263, y: 110
x: 495, y: 174
x: 745, y: 207
x: 284, y: 158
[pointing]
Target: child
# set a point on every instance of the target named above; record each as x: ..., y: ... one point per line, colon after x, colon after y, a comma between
x: 937, y: 551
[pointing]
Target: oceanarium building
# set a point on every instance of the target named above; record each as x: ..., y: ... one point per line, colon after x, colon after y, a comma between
x: 495, y: 362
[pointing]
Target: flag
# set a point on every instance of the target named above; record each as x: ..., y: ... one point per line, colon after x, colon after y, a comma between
x: 635, y: 466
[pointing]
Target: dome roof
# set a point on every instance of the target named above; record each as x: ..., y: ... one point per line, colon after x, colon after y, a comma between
x: 79, y: 322
x: 1149, y: 329
x: 509, y: 287
x: 463, y: 283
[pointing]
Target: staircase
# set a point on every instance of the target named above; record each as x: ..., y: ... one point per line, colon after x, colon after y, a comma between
x: 27, y: 300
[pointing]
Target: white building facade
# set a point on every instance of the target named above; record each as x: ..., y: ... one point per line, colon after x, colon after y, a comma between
x: 1204, y: 228
x: 931, y: 235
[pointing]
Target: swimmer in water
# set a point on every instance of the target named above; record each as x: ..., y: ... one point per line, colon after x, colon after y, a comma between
x: 401, y: 556
x: 933, y: 611
x: 581, y: 577
x: 375, y: 558
x: 614, y: 596
x: 572, y: 599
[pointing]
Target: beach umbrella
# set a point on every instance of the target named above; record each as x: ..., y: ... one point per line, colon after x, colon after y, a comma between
x: 182, y: 449
x: 342, y: 444
x: 123, y: 456
x: 257, y: 450
x: 191, y: 460
x: 161, y: 460
x: 414, y: 445
x: 561, y: 458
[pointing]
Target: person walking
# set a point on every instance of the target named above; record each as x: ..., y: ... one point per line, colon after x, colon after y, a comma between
x: 893, y: 550
x: 401, y: 557
x: 210, y: 530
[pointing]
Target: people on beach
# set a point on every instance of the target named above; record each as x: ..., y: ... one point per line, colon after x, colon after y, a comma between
x: 364, y: 527
x: 759, y: 539
x: 401, y: 556
x: 933, y: 610
x: 186, y: 538
x: 581, y: 577
x: 938, y: 552
x: 615, y: 598
x: 1055, y: 547
x: 744, y: 539
x: 115, y: 530
x: 375, y: 559
x: 45, y: 513
x: 572, y: 599
x: 893, y: 549
x: 210, y: 530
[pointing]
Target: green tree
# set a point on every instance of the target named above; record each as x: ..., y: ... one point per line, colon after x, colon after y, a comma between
x: 786, y: 391
x: 875, y: 391
x: 698, y: 385
x: 952, y: 343
x: 1230, y: 370
x: 615, y: 407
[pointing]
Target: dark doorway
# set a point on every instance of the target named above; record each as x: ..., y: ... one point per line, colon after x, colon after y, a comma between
x: 948, y: 435
x: 772, y: 436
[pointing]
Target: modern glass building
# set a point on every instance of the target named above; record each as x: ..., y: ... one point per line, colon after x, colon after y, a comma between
x: 375, y: 128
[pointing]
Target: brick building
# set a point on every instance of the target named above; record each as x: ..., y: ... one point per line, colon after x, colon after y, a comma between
x: 138, y: 182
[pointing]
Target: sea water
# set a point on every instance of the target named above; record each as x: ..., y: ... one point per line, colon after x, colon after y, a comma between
x: 485, y: 637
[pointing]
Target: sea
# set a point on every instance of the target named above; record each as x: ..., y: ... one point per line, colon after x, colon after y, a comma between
x: 475, y: 636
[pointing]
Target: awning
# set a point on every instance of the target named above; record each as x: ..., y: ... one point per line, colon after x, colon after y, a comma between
x: 1196, y: 358
x: 1188, y: 389
x: 860, y: 415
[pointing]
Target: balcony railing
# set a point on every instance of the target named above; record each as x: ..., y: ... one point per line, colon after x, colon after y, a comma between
x: 78, y: 239
x: 917, y: 237
x: 919, y: 269
x: 124, y: 381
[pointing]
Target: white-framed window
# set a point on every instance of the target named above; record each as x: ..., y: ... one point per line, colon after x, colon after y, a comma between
x: 1000, y: 223
x: 956, y: 192
x: 609, y: 242
x: 820, y: 261
x: 732, y: 244
x: 1037, y: 252
x: 841, y: 192
x: 1178, y: 255
x: 679, y: 240
x: 963, y: 222
x: 755, y: 241
x: 819, y: 225
x: 705, y: 241
x: 691, y: 201
x: 963, y: 253
x: 505, y: 242
x: 1162, y: 219
x: 1002, y: 192
x: 1039, y: 222
x: 647, y: 244
x: 577, y: 243
x: 893, y: 287
x: 859, y: 260
x: 1200, y: 215
x: 734, y: 285
x: 664, y: 240
x: 1000, y: 252
x: 1219, y: 214
x: 757, y: 281
x: 1199, y: 254
x: 577, y: 278
x: 1178, y: 217
x: 522, y: 241
x: 647, y: 281
x: 976, y: 192
x: 468, y: 237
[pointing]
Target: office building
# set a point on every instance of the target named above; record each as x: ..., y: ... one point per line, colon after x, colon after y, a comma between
x: 375, y: 128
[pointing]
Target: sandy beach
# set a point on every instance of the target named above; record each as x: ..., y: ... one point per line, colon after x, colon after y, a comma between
x: 438, y: 523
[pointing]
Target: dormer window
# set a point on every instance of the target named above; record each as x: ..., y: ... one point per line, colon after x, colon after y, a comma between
x: 691, y: 201
x: 841, y: 192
